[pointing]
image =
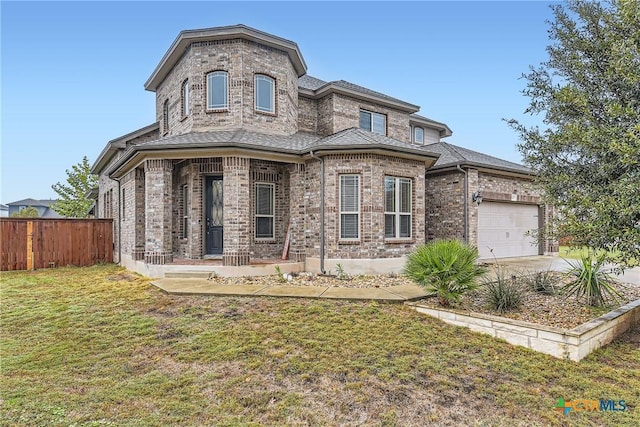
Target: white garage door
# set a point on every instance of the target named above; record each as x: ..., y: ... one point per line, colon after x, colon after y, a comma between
x: 502, y: 227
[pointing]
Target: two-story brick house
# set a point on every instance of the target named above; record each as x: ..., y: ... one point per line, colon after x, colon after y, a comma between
x: 250, y: 153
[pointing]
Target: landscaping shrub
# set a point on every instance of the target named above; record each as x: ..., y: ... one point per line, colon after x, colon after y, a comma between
x: 503, y: 293
x: 543, y: 282
x: 590, y: 281
x: 446, y: 269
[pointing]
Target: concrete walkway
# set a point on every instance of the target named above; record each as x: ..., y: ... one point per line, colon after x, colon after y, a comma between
x: 399, y: 293
x: 180, y: 286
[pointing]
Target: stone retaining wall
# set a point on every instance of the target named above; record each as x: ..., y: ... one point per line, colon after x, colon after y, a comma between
x: 573, y: 344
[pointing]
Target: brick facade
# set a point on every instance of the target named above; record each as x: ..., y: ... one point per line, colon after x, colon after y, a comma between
x: 160, y: 200
x: 445, y: 202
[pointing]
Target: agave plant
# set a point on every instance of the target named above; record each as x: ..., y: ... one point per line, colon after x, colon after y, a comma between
x: 446, y: 269
x: 590, y: 281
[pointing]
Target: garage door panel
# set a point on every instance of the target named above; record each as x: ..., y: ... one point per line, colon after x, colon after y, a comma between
x: 503, y: 227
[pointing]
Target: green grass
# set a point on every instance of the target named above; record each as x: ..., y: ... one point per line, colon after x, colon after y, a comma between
x: 101, y: 347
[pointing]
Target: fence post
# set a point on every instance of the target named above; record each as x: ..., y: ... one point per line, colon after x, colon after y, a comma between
x: 29, y: 245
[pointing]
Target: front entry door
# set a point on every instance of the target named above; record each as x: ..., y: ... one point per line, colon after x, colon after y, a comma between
x: 214, y: 215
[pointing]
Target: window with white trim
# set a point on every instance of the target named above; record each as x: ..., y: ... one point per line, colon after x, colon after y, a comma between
x: 265, y: 210
x: 185, y: 98
x: 264, y: 91
x: 373, y: 122
x: 418, y: 135
x: 397, y: 207
x: 218, y: 90
x: 349, y: 206
x: 185, y: 211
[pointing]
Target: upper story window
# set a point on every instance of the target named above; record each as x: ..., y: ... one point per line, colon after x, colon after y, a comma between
x: 373, y: 122
x: 397, y: 207
x: 185, y: 98
x: 218, y: 90
x: 418, y: 135
x: 265, y: 95
x: 165, y: 115
x: 349, y: 206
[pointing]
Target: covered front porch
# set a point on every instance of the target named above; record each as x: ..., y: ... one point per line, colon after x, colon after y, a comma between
x: 213, y: 215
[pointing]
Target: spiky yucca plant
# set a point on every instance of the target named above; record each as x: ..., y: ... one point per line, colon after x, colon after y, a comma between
x: 446, y: 269
x: 590, y: 281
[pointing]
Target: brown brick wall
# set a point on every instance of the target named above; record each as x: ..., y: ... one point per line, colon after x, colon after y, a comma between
x: 372, y: 169
x: 242, y: 60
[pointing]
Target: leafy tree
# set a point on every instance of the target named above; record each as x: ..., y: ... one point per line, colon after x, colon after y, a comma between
x: 28, y: 212
x: 74, y: 201
x: 587, y: 155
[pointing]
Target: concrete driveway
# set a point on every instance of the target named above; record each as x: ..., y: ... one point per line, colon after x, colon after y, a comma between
x: 537, y: 263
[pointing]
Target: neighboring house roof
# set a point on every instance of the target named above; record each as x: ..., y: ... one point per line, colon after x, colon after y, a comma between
x: 300, y: 143
x: 33, y: 202
x: 452, y: 155
x: 47, y: 212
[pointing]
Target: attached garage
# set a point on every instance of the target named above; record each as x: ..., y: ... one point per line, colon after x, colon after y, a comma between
x: 502, y: 227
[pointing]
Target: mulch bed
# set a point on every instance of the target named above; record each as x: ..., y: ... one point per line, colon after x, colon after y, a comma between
x: 548, y: 310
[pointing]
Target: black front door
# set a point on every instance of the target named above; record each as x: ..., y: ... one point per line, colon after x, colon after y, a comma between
x: 213, y: 215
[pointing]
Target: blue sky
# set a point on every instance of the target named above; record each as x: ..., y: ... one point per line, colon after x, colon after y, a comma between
x: 73, y: 72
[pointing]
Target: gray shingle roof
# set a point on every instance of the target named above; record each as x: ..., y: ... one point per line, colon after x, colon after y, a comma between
x: 358, y: 138
x: 310, y: 83
x: 297, y: 144
x: 450, y: 155
x: 33, y: 202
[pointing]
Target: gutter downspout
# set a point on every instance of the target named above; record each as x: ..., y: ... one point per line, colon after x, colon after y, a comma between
x: 466, y: 202
x: 322, y: 270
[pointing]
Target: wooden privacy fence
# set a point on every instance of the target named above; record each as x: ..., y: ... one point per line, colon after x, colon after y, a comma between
x: 31, y: 243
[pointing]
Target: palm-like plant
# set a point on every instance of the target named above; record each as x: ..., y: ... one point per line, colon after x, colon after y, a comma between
x: 590, y: 281
x: 446, y: 269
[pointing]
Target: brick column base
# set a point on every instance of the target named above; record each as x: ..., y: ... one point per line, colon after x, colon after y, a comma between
x: 297, y: 255
x: 138, y: 254
x: 235, y: 258
x: 158, y: 257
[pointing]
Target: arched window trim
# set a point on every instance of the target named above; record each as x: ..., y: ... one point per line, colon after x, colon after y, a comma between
x: 260, y: 106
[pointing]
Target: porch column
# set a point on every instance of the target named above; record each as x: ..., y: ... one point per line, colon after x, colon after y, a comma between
x: 297, y: 212
x: 139, y: 226
x: 237, y: 212
x: 158, y: 210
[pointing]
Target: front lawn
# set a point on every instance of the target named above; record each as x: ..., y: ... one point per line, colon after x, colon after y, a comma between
x: 100, y: 346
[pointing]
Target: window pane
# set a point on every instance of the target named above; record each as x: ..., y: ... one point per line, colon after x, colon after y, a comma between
x: 349, y: 193
x: 185, y: 99
x: 405, y: 195
x: 349, y: 226
x: 264, y: 93
x: 389, y: 226
x: 389, y: 194
x: 217, y: 90
x: 264, y: 227
x: 264, y: 199
x: 405, y: 225
x: 379, y: 124
x: 419, y: 135
x: 365, y: 120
